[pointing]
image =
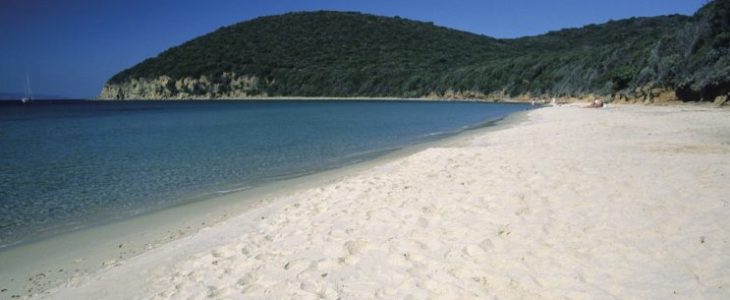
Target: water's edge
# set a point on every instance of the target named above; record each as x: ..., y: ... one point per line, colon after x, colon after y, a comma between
x: 98, y: 172
x: 30, y: 268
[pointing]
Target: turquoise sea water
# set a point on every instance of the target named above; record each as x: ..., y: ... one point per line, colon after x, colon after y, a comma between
x: 67, y: 165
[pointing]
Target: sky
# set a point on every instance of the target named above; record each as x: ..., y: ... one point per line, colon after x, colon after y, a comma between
x: 71, y: 47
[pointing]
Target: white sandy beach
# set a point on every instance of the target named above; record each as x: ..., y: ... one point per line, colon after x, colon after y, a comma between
x: 621, y: 202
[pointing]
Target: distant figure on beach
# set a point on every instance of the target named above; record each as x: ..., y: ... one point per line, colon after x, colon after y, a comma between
x: 553, y: 102
x: 533, y: 102
x: 598, y: 103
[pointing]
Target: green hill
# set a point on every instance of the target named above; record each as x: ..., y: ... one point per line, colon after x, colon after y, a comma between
x: 342, y: 54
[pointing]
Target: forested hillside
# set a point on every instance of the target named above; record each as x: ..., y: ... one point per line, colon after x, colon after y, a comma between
x: 342, y: 54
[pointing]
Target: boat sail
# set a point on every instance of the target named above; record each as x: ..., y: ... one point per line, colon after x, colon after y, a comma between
x: 28, y: 91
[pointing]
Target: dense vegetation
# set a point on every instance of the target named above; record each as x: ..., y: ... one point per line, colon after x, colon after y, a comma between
x: 353, y: 54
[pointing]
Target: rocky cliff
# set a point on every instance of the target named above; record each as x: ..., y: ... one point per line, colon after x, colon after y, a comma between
x: 164, y: 87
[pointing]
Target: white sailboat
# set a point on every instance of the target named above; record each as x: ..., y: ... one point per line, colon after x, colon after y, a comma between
x: 28, y: 91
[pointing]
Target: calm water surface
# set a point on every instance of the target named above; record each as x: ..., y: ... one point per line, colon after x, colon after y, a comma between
x: 68, y: 165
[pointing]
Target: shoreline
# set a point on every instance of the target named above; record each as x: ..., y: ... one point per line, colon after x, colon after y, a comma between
x: 571, y: 201
x: 326, y: 98
x: 39, y: 265
x: 520, y: 99
x: 645, y: 98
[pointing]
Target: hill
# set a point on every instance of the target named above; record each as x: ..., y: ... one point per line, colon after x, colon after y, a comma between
x: 342, y: 54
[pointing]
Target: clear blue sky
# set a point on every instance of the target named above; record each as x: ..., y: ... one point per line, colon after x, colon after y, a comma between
x: 71, y: 47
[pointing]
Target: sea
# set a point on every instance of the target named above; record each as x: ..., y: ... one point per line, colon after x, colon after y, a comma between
x: 68, y: 165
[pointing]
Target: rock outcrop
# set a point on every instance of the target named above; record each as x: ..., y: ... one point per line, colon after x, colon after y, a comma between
x: 228, y: 86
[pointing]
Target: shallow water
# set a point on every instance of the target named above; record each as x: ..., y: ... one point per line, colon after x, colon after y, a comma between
x: 69, y: 165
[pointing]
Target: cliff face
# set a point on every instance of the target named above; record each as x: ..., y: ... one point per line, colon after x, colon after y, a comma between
x: 231, y: 86
x: 165, y: 88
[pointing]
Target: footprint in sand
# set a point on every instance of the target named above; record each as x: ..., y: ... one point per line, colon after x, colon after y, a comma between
x: 473, y: 251
x: 318, y: 289
x: 461, y: 273
x: 318, y: 269
x: 248, y: 279
x: 297, y: 265
x: 423, y: 222
x: 486, y: 245
x: 523, y: 211
x: 504, y: 231
x: 354, y: 249
x: 224, y: 252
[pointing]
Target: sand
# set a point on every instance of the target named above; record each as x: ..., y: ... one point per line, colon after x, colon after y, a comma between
x: 619, y: 202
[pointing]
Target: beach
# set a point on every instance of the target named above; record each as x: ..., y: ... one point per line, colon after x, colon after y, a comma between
x: 627, y: 201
